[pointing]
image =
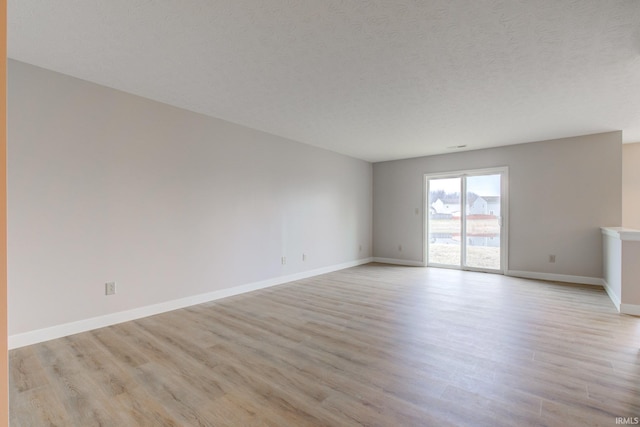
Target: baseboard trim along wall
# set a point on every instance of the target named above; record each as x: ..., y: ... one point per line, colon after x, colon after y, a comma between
x: 408, y: 263
x: 612, y: 295
x: 595, y: 281
x: 551, y: 277
x: 59, y: 331
x: 631, y: 309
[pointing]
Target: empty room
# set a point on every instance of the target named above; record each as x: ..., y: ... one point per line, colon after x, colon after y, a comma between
x: 322, y: 213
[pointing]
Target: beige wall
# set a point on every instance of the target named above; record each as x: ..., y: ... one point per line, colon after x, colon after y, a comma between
x: 631, y: 185
x: 106, y: 186
x: 631, y: 276
x: 560, y: 193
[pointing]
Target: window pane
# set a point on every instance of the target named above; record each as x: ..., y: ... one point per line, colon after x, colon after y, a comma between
x: 483, y: 222
x: 444, y: 221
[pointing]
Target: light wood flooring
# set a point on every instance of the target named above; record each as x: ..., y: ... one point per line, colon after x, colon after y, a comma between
x: 372, y: 345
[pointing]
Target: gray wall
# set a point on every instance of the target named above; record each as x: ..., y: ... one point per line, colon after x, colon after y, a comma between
x: 560, y: 192
x: 106, y: 186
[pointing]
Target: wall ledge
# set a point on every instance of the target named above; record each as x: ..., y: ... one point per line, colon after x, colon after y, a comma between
x: 622, y: 233
x: 66, y: 329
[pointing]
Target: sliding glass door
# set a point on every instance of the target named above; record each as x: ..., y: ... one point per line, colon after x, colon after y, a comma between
x: 465, y: 220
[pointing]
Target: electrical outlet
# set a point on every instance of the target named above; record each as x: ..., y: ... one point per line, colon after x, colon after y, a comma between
x: 552, y: 259
x: 284, y: 260
x: 110, y: 288
x: 304, y: 257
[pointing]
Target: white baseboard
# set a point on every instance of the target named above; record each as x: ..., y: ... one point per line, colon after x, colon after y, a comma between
x: 632, y: 309
x: 394, y: 261
x: 615, y: 299
x: 583, y: 280
x: 58, y: 331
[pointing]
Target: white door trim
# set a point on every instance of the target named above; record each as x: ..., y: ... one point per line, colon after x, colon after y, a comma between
x: 504, y: 214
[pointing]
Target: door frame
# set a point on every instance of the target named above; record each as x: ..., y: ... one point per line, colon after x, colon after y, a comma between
x: 504, y: 215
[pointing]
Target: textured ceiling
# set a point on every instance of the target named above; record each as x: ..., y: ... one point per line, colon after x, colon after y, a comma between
x: 376, y: 80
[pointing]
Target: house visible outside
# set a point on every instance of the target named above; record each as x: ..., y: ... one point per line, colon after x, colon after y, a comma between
x: 485, y: 205
x: 448, y: 206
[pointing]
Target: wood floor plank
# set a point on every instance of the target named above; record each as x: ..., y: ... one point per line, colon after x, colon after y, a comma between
x: 372, y: 345
x: 26, y: 372
x: 38, y: 407
x: 144, y: 409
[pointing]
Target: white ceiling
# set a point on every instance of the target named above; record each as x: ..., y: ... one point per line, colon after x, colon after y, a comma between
x: 374, y: 79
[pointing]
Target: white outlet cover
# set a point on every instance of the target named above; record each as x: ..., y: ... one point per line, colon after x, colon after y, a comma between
x: 110, y: 288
